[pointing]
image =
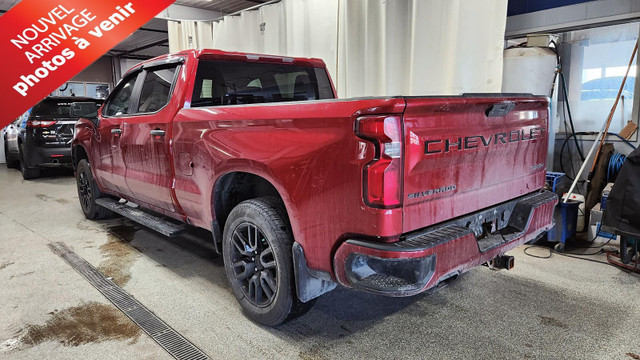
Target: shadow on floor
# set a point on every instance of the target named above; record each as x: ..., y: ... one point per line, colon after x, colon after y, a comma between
x: 197, y: 258
x: 49, y: 173
x: 483, y: 312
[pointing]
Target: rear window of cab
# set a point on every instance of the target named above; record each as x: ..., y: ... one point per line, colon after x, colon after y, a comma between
x: 236, y: 83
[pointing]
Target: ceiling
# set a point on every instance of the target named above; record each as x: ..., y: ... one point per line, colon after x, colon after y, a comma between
x: 148, y: 41
x: 222, y: 6
x: 152, y: 39
x: 7, y: 4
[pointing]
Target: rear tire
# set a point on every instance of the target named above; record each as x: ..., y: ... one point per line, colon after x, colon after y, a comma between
x: 256, y: 249
x: 28, y: 173
x: 88, y: 192
x: 10, y: 161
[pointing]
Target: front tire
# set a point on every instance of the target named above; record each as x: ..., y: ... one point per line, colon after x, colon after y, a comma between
x: 88, y: 192
x: 28, y: 173
x: 257, y: 245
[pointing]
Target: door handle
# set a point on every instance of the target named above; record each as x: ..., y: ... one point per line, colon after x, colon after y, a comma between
x: 116, y: 131
x: 156, y: 132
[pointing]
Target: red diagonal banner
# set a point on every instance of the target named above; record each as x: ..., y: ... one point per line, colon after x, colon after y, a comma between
x: 46, y: 43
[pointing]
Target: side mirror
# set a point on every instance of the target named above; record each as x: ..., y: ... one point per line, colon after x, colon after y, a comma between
x: 88, y: 110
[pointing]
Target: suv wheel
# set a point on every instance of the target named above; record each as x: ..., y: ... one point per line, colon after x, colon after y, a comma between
x: 10, y: 161
x: 28, y: 173
x: 88, y: 192
x: 257, y: 245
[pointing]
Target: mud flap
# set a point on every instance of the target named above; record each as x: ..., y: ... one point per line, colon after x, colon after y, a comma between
x: 309, y: 283
x: 217, y: 237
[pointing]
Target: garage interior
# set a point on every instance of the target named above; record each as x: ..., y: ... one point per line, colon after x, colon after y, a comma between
x: 568, y: 296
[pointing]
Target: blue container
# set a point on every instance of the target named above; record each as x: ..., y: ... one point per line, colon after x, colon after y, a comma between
x: 604, y: 234
x: 554, y: 179
x: 566, y: 217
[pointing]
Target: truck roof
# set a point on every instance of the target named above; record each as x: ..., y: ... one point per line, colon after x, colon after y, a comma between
x: 214, y: 54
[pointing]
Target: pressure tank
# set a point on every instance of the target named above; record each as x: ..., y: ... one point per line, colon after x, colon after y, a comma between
x: 528, y: 70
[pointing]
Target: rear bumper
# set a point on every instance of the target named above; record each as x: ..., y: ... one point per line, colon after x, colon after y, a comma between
x: 420, y: 260
x: 43, y: 156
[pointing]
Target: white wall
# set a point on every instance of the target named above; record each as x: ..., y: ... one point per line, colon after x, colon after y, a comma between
x: 437, y: 47
x: 188, y: 34
x: 126, y: 64
x: 380, y: 47
x: 306, y: 28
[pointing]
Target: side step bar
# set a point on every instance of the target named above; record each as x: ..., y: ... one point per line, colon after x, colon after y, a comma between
x: 156, y: 223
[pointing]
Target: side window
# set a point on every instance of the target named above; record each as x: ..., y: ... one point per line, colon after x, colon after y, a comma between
x: 325, y: 90
x: 156, y: 89
x: 207, y: 89
x: 295, y: 84
x: 256, y: 83
x: 120, y: 103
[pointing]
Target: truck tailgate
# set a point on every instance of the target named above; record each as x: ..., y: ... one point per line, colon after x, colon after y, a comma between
x: 467, y: 153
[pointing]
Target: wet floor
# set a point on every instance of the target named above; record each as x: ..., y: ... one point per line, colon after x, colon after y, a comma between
x: 118, y: 255
x: 86, y: 323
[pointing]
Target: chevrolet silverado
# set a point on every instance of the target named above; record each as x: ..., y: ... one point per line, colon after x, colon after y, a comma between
x: 303, y: 191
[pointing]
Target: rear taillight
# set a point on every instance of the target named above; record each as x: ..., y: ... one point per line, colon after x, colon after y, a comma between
x: 38, y: 124
x: 382, y: 177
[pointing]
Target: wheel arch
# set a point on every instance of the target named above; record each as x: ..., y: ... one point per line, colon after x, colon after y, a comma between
x: 233, y: 187
x: 78, y: 152
x: 236, y: 186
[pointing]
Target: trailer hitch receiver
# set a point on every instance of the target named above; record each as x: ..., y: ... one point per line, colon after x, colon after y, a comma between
x: 501, y: 262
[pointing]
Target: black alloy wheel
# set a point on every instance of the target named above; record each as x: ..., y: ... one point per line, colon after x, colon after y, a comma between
x: 254, y: 265
x: 88, y: 192
x: 257, y: 251
x: 85, y: 194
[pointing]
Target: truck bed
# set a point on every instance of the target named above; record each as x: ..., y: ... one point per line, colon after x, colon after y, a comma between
x: 310, y: 153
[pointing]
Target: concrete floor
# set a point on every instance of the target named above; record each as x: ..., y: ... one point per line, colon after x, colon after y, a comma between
x: 557, y: 308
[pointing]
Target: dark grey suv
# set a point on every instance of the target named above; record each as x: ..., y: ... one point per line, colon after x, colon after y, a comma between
x: 43, y: 136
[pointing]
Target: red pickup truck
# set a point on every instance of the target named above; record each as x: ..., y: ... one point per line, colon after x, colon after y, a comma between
x: 303, y: 191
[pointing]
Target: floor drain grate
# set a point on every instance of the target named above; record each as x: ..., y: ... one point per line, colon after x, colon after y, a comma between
x: 170, y: 340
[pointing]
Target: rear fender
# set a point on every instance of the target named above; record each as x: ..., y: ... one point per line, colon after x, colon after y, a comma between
x: 261, y: 170
x: 309, y: 283
x: 83, y: 142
